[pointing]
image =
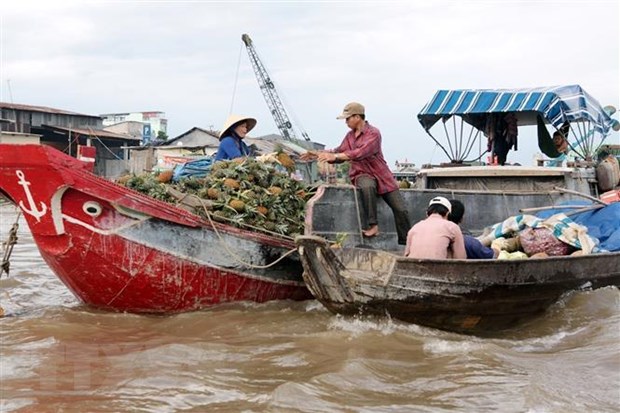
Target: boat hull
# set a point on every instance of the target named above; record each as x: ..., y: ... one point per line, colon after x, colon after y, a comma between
x: 119, y: 250
x: 480, y: 297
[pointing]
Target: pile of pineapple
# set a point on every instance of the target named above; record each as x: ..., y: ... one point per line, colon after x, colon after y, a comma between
x: 243, y: 192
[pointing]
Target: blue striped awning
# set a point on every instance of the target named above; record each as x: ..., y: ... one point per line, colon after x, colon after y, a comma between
x: 556, y: 104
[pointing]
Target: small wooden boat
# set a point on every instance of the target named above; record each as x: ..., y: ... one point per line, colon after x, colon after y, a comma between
x: 478, y: 297
x: 119, y: 250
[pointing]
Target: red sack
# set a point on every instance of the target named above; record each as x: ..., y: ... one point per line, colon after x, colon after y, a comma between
x: 536, y: 240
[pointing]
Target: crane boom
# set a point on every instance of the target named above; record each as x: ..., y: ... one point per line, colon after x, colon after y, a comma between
x: 270, y: 94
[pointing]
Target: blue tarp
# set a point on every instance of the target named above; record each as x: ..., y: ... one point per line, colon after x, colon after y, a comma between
x: 603, y: 224
x: 192, y: 169
x: 556, y: 104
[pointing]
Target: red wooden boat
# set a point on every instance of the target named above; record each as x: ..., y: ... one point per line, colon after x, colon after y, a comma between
x: 119, y: 250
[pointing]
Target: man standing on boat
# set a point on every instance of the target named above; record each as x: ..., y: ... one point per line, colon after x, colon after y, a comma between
x: 369, y: 171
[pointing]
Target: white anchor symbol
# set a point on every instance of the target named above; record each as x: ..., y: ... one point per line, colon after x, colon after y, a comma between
x: 31, y: 203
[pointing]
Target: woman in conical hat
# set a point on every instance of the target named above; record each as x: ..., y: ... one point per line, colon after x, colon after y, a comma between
x: 234, y: 130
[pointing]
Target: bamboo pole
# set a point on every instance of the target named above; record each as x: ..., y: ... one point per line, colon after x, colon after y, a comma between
x: 590, y: 208
x: 545, y: 208
x: 569, y: 191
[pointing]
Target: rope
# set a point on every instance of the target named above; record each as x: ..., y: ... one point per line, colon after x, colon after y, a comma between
x: 92, y: 134
x: 232, y: 253
x: 232, y: 101
x: 8, y: 249
x: 439, y: 144
x: 108, y: 149
x: 68, y: 147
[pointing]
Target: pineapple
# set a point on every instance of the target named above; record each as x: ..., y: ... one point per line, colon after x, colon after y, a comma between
x: 219, y: 215
x: 213, y: 193
x: 165, y: 176
x: 340, y: 238
x: 237, y: 204
x: 249, y: 194
x: 262, y: 210
x: 275, y: 190
x: 231, y: 183
x: 219, y: 165
x: 286, y: 161
x: 123, y: 179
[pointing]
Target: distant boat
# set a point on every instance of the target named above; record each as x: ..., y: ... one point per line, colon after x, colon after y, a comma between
x: 119, y: 250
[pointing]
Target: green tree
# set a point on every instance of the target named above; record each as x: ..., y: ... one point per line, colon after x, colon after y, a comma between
x: 161, y: 136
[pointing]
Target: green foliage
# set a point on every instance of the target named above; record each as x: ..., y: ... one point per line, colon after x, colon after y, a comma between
x: 161, y: 136
x: 149, y: 185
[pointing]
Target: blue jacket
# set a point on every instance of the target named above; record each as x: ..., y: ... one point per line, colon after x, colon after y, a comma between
x: 231, y: 147
x: 475, y: 249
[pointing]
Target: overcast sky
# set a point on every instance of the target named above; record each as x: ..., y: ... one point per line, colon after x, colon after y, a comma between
x: 184, y: 58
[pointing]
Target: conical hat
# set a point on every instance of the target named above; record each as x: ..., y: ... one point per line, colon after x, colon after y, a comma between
x: 232, y: 120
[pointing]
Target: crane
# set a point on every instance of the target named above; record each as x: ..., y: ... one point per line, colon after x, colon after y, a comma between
x: 270, y: 94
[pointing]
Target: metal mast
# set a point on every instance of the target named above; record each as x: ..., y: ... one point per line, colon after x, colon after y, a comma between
x: 270, y: 94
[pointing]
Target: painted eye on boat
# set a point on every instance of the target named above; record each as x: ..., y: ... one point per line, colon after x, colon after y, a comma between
x: 92, y: 208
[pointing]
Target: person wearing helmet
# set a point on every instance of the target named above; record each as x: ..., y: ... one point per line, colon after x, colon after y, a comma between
x: 435, y: 237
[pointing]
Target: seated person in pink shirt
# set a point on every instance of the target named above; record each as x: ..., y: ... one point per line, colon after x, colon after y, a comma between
x: 435, y: 237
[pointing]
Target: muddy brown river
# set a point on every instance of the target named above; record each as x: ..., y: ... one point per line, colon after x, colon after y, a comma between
x: 57, y: 355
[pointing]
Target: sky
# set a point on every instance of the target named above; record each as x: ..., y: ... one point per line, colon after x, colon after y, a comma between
x: 186, y: 58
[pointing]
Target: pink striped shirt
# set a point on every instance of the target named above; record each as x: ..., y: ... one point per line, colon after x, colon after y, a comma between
x: 367, y: 158
x: 435, y: 238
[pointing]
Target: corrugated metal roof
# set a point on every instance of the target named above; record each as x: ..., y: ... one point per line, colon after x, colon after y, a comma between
x: 126, y: 121
x: 264, y: 145
x: 44, y: 109
x: 95, y: 132
x: 215, y: 134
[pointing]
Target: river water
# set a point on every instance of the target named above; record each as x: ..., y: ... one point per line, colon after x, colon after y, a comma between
x: 57, y: 355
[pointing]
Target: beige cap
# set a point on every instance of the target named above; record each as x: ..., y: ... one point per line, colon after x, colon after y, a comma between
x: 440, y: 200
x: 232, y: 120
x: 351, y: 109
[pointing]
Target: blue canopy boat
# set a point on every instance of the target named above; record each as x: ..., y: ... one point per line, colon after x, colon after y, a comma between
x: 569, y: 109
